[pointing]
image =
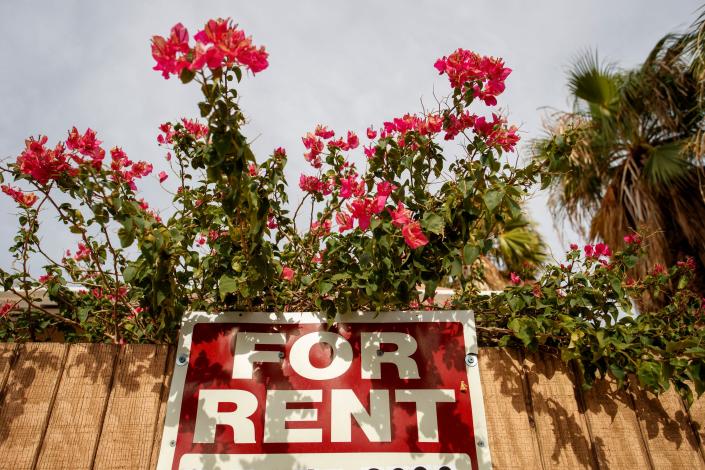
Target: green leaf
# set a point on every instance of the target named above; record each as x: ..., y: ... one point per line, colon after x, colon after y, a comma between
x: 324, y: 287
x: 226, y: 285
x: 470, y: 253
x: 492, y: 199
x: 187, y: 75
x: 433, y: 223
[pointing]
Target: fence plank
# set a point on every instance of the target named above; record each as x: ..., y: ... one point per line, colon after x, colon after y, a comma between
x: 159, y: 425
x: 666, y: 428
x: 133, y: 406
x: 29, y: 394
x: 614, y: 427
x: 563, y: 435
x: 72, y: 434
x: 697, y: 417
x: 7, y: 354
x: 512, y: 437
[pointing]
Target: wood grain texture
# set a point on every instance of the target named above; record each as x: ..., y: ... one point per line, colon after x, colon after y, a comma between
x: 563, y: 434
x: 7, y: 355
x: 614, y: 427
x: 667, y: 430
x: 697, y: 419
x: 28, y: 398
x: 512, y: 437
x: 76, y: 419
x: 133, y: 407
x: 159, y: 424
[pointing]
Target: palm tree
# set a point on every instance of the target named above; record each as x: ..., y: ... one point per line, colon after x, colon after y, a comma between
x: 630, y: 153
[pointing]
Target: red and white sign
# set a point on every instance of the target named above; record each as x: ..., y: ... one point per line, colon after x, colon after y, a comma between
x: 395, y: 390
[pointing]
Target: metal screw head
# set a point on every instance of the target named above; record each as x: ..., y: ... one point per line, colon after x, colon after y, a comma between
x: 471, y: 360
x: 281, y: 354
x: 172, y: 443
x: 480, y: 443
x: 380, y: 352
x: 181, y: 360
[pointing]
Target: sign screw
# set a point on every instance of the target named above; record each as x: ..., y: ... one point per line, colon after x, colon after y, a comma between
x: 172, y: 443
x: 181, y: 360
x: 471, y: 360
x: 480, y: 443
x: 281, y: 354
x: 380, y: 352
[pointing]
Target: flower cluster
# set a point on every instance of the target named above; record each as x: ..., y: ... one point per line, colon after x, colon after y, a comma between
x: 219, y: 43
x: 22, y: 198
x: 43, y: 164
x: 483, y: 75
x: 187, y: 127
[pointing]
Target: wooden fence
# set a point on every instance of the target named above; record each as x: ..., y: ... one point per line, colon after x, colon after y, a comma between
x: 101, y: 406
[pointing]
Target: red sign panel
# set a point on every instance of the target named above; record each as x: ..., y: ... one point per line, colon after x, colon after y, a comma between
x: 280, y: 391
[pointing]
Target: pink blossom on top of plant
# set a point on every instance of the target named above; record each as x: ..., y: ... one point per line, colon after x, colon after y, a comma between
x: 41, y: 163
x: 163, y: 176
x: 323, y: 132
x: 484, y: 75
x: 371, y: 133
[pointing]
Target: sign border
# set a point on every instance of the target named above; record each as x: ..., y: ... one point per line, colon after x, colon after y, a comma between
x: 191, y: 318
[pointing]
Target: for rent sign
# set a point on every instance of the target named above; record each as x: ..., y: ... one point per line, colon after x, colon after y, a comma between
x: 396, y: 390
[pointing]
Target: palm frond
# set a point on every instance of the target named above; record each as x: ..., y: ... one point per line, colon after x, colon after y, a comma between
x: 667, y: 165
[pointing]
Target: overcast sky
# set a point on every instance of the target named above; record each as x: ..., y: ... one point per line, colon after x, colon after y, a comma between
x: 345, y: 64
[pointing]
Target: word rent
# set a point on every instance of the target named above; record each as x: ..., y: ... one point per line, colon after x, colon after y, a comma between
x: 345, y: 405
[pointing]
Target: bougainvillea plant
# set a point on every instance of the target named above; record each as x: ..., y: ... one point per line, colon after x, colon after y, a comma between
x: 364, y: 236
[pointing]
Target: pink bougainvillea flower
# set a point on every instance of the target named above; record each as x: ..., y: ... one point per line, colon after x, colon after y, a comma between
x: 371, y: 133
x: 468, y: 70
x: 589, y: 251
x: 344, y: 221
x: 362, y: 209
x: 20, y: 197
x: 279, y: 152
x: 574, y: 246
x: 353, y: 141
x: 5, y: 309
x: 601, y: 249
x: 252, y: 169
x: 658, y: 270
x: 413, y: 235
x: 323, y: 132
x: 312, y: 184
x: 319, y: 229
x: 43, y: 279
x: 400, y: 216
x: 351, y: 186
x: 632, y: 239
x: 41, y: 163
x: 287, y: 274
x: 384, y: 189
x: 516, y: 280
x: 163, y: 176
x: 83, y: 253
x: 170, y: 54
x: 688, y: 264
x: 271, y: 222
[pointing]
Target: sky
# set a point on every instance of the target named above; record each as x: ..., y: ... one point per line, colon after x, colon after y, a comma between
x: 344, y: 64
